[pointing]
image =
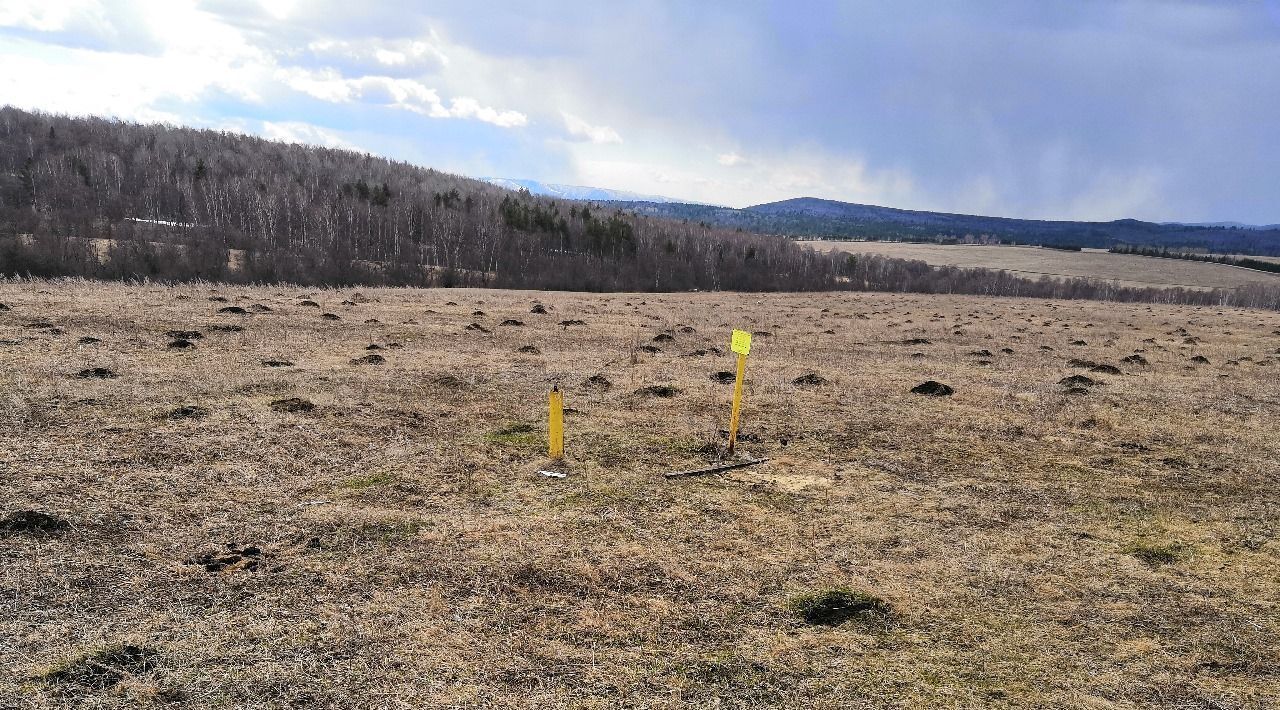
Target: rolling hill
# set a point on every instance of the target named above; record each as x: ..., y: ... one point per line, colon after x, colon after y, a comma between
x: 830, y: 219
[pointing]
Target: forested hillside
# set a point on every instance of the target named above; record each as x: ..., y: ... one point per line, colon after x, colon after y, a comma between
x: 108, y: 199
x: 180, y: 203
x: 830, y: 219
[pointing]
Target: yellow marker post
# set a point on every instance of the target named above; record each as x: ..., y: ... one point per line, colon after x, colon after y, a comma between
x: 741, y: 344
x: 555, y: 427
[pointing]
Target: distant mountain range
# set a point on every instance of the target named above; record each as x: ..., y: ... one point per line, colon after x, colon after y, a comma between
x: 576, y: 192
x: 830, y: 219
x: 1237, y: 225
x: 810, y: 217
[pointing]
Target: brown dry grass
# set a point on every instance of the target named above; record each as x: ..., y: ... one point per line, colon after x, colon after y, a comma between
x: 1114, y: 549
x: 1034, y: 262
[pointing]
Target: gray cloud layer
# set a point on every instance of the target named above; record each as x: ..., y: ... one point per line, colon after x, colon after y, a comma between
x: 1159, y: 110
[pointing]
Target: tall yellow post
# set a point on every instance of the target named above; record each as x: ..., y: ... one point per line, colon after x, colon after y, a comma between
x: 741, y: 344
x: 555, y: 426
x: 737, y: 402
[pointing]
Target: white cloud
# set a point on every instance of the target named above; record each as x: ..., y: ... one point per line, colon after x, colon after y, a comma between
x: 279, y: 9
x: 580, y: 129
x: 373, y: 55
x: 466, y: 107
x: 405, y: 94
x: 730, y: 159
x: 43, y: 15
x: 306, y: 133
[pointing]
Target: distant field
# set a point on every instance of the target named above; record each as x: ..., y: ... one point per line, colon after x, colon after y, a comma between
x: 1128, y: 269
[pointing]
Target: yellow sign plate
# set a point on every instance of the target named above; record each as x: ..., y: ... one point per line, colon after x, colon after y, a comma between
x: 741, y: 343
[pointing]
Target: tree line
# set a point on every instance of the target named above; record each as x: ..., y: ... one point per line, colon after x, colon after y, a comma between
x: 1243, y: 262
x: 104, y: 198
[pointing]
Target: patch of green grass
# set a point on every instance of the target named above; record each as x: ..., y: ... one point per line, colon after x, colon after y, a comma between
x: 1156, y: 554
x: 835, y: 606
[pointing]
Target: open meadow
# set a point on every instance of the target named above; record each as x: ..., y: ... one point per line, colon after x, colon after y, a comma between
x: 1033, y: 262
x: 220, y: 496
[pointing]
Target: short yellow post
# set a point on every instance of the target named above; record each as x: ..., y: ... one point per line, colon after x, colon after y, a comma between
x: 741, y: 344
x: 555, y: 427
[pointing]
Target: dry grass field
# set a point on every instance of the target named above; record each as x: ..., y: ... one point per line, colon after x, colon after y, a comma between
x: 174, y: 531
x: 1033, y: 262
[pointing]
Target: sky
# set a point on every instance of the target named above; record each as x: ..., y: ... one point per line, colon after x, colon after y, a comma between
x: 1074, y: 109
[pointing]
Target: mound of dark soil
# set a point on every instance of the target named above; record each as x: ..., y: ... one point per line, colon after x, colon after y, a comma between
x: 661, y: 391
x: 450, y: 303
x: 837, y: 606
x: 1085, y: 364
x: 330, y: 316
x: 259, y: 308
x: 1105, y: 369
x: 218, y: 299
x: 187, y: 411
x: 477, y: 327
x: 1078, y: 381
x: 933, y: 389
x: 180, y: 345
x: 662, y: 338
x: 183, y: 334
x: 597, y: 382
x: 4, y: 307
x: 762, y: 334
x: 293, y: 404
x: 373, y: 346
x: 308, y: 302
x: 567, y: 323
x: 246, y: 559
x: 981, y: 353
x: 277, y: 363
x: 512, y: 322
x: 96, y: 373
x: 370, y: 359
x: 39, y: 325
x: 477, y: 313
x: 530, y: 350
x: 810, y: 380
x: 538, y: 309
x: 88, y: 340
x: 347, y: 303
x: 917, y: 355
x: 235, y: 310
x: 1200, y: 360
x: 1078, y: 342
x: 724, y: 377
x: 31, y: 521
x: 915, y: 341
x: 372, y: 320
x: 394, y: 346
x: 227, y: 328
x: 687, y: 329
x: 650, y: 349
x: 1007, y: 351
x: 829, y: 332
x: 105, y: 667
